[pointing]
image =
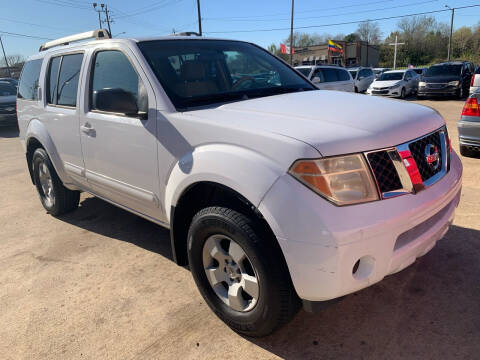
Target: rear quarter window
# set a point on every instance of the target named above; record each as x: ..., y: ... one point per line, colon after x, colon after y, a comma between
x: 330, y: 75
x: 28, y: 86
x: 343, y: 75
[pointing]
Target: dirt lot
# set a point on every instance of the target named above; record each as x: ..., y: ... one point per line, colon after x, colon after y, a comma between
x: 100, y: 284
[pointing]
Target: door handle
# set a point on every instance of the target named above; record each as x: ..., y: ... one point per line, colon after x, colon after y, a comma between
x: 87, y: 128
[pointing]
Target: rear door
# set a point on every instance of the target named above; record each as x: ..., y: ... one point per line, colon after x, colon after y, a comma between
x: 61, y: 115
x: 119, y: 146
x: 345, y: 82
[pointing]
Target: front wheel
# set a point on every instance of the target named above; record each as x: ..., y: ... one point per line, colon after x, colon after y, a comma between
x: 55, y: 197
x: 240, y: 272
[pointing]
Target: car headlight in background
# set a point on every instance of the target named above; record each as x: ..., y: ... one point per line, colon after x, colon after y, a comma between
x: 454, y: 83
x: 422, y: 83
x: 344, y: 180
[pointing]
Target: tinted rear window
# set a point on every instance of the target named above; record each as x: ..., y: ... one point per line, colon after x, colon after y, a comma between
x: 27, y: 89
x: 305, y: 71
x: 7, y: 89
x: 477, y: 71
x: 330, y: 75
x: 52, y: 80
x: 342, y: 75
x: 68, y: 79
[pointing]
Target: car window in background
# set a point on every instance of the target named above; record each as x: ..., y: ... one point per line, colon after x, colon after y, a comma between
x: 305, y: 71
x: 330, y: 75
x: 68, y: 79
x: 319, y: 74
x: 437, y: 70
x: 7, y: 89
x: 477, y: 71
x: 390, y: 76
x: 28, y: 86
x: 342, y: 75
x: 353, y: 73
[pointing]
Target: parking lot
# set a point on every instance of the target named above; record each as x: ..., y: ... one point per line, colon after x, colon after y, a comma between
x: 100, y: 283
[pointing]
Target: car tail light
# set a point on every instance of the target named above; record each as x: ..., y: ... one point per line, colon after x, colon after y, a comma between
x: 472, y: 80
x: 471, y: 107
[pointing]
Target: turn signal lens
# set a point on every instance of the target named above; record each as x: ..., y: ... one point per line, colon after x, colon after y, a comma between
x: 471, y: 107
x: 344, y: 180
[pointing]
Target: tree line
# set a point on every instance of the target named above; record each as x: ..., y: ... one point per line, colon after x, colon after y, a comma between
x: 426, y: 41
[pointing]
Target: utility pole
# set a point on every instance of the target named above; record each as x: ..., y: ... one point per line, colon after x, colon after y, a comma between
x: 449, y: 54
x: 291, y: 35
x: 98, y: 12
x: 5, y: 57
x: 108, y: 19
x: 396, y: 43
x: 199, y: 18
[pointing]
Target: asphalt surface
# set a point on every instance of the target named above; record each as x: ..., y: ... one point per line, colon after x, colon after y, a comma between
x: 100, y: 283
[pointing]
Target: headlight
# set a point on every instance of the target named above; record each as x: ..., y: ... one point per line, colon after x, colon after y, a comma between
x: 454, y: 83
x: 394, y: 86
x: 422, y: 83
x: 344, y: 180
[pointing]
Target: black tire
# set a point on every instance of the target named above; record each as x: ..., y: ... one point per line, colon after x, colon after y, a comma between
x: 62, y: 200
x: 402, y: 93
x: 420, y: 97
x: 277, y: 300
x: 356, y: 89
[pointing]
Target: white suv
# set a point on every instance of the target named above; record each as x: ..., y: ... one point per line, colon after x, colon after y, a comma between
x: 269, y: 200
x: 328, y: 77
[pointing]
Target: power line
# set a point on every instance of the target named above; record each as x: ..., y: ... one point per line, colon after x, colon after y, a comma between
x: 322, y: 16
x: 152, y: 7
x: 340, y: 23
x: 64, y: 4
x: 33, y: 24
x: 24, y: 35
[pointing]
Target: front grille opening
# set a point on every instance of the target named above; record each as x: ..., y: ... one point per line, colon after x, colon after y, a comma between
x: 384, y: 171
x: 417, y: 149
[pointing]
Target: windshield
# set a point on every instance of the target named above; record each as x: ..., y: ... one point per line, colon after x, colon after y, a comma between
x: 353, y: 73
x: 390, y: 76
x: 304, y: 71
x: 444, y: 70
x: 202, y: 72
x: 7, y: 90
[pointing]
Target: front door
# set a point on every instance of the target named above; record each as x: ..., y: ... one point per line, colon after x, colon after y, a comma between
x: 118, y: 130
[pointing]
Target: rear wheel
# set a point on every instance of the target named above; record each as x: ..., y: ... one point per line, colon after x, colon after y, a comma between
x: 55, y: 197
x: 468, y: 152
x: 240, y: 273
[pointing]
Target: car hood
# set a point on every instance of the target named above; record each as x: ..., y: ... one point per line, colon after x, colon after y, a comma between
x: 11, y: 99
x: 331, y: 121
x: 441, y: 78
x: 385, y: 83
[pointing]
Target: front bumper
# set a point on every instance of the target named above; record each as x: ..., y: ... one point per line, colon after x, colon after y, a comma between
x: 322, y: 242
x: 445, y: 91
x: 385, y: 92
x: 8, y: 119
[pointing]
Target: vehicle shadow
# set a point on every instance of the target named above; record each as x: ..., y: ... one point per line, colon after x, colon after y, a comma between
x: 9, y: 131
x: 429, y: 310
x: 101, y: 217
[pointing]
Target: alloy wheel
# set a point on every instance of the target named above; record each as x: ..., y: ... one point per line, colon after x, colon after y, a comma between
x: 46, y: 183
x: 230, y: 273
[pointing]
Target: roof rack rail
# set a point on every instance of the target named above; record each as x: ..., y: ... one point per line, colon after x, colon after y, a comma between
x: 94, y: 34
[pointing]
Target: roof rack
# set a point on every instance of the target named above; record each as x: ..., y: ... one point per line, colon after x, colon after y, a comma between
x: 94, y: 34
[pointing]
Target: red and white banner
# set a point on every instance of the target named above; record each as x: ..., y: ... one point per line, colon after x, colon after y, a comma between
x: 284, y: 49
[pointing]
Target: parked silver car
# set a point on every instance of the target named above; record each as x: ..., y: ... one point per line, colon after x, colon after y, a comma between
x: 469, y: 126
x: 475, y: 82
x: 328, y: 77
x: 363, y: 78
x: 396, y: 83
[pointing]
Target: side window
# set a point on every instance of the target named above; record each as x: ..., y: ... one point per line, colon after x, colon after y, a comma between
x: 63, y: 75
x: 319, y: 73
x: 115, y: 85
x: 342, y: 75
x: 52, y: 80
x: 369, y: 72
x: 330, y: 75
x: 361, y: 74
x: 28, y: 87
x: 68, y: 79
x: 407, y: 75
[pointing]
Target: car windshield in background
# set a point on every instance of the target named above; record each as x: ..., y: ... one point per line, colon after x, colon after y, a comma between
x: 305, y: 71
x: 195, y: 73
x: 439, y: 70
x: 7, y: 90
x: 390, y: 76
x: 353, y: 73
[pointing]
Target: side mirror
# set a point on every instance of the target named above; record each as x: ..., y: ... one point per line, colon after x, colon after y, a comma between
x: 115, y: 100
x: 316, y: 80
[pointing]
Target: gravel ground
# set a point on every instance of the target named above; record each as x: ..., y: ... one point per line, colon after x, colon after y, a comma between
x: 100, y: 284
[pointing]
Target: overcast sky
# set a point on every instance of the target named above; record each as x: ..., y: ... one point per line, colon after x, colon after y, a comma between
x: 221, y: 18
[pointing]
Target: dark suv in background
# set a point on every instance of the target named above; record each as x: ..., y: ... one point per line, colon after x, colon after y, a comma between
x: 446, y: 79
